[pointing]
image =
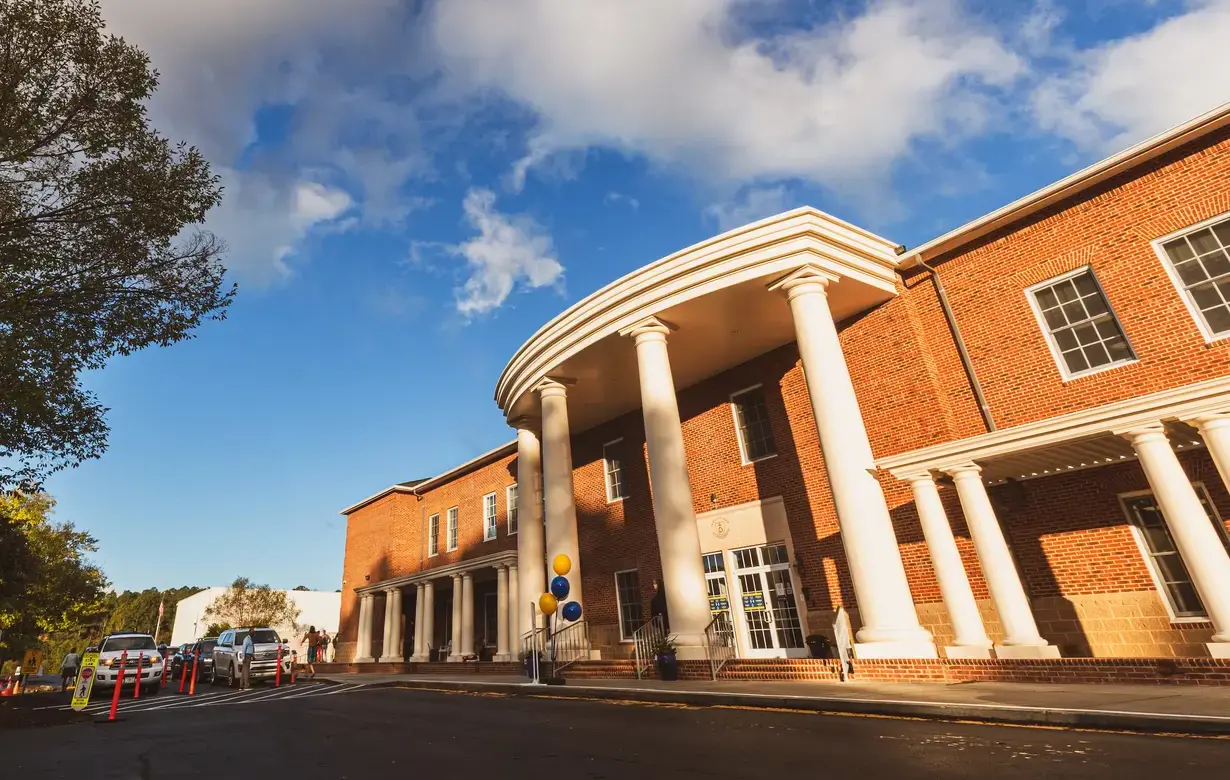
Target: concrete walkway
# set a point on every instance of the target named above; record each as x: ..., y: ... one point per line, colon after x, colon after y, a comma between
x: 1173, y: 709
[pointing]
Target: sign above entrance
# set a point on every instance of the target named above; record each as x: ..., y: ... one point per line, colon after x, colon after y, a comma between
x: 753, y: 601
x: 720, y: 527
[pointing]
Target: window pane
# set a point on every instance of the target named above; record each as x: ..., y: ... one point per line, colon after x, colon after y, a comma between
x: 1097, y: 355
x: 1085, y: 285
x: 1118, y: 348
x: 1074, y: 311
x: 1178, y: 250
x: 1054, y: 318
x: 1205, y: 296
x: 1216, y: 264
x: 1222, y: 230
x: 628, y: 594
x: 1066, y: 340
x: 1218, y: 319
x: 1186, y: 599
x: 1075, y: 361
x: 1203, y: 241
x: 755, y: 431
x: 1065, y: 291
x: 1086, y: 334
x: 1046, y: 299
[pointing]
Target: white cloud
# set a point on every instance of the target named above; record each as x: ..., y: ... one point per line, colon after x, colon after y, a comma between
x: 752, y: 204
x: 613, y: 197
x: 508, y: 250
x: 836, y: 104
x: 1123, y: 91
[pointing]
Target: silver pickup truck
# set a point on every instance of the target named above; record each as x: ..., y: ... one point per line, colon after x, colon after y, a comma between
x: 227, y: 663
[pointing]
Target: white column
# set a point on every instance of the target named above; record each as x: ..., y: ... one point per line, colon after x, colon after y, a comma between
x: 467, y: 614
x: 531, y: 554
x: 683, y: 573
x: 397, y: 651
x: 971, y: 637
x: 1198, y: 542
x: 363, y: 648
x: 454, y: 652
x: 514, y: 614
x: 429, y: 619
x: 390, y: 617
x: 1215, y: 430
x: 1021, y: 637
x: 890, y: 627
x: 501, y: 606
x: 419, y: 653
x: 561, y: 534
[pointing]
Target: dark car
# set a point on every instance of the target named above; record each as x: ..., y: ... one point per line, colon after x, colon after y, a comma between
x: 185, y: 654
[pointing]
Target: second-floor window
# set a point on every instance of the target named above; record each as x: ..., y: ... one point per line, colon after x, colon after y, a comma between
x: 752, y: 421
x: 1079, y: 324
x: 614, y: 470
x: 433, y: 535
x: 452, y: 528
x: 510, y: 497
x: 489, y: 528
x: 1199, y: 263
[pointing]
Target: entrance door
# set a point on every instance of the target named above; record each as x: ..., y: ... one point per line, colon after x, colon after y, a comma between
x: 766, y: 599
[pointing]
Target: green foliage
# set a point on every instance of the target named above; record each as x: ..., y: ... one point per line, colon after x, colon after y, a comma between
x: 101, y: 251
x: 47, y: 582
x: 138, y: 610
x: 246, y: 604
x: 216, y: 628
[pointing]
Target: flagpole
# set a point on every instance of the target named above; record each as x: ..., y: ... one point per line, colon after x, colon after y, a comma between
x: 158, y: 625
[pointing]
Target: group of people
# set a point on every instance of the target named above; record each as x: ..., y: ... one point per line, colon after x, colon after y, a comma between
x: 318, y: 646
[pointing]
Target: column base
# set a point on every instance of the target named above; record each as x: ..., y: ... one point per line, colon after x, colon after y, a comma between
x: 686, y: 652
x: 389, y: 659
x: 1026, y: 651
x: 1219, y: 649
x: 454, y: 659
x: 419, y: 659
x: 967, y: 651
x: 367, y: 660
x: 595, y: 655
x: 501, y: 658
x: 901, y: 649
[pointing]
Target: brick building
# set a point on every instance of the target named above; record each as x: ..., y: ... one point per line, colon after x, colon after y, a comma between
x: 1011, y: 442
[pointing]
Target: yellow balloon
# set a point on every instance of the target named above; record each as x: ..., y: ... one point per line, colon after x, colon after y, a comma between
x: 562, y: 564
x: 547, y: 603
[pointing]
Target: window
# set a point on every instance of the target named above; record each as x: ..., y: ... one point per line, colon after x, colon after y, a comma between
x: 510, y: 497
x: 489, y: 530
x: 628, y: 595
x: 433, y: 535
x: 1079, y: 324
x: 1162, y: 555
x: 752, y: 422
x: 452, y: 529
x: 1199, y: 264
x: 614, y: 471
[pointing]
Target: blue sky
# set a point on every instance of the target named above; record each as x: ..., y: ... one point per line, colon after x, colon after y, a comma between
x: 412, y: 188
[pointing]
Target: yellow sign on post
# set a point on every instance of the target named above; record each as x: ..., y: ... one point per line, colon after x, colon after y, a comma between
x: 30, y: 662
x: 85, y: 681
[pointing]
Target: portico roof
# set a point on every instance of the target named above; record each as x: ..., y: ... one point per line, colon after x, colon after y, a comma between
x: 714, y: 294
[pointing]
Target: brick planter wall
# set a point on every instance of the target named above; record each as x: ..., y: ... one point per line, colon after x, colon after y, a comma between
x: 1147, y: 671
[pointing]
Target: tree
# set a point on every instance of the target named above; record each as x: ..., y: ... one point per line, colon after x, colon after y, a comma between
x: 302, y: 587
x: 246, y: 604
x: 217, y: 628
x: 47, y: 582
x: 138, y: 610
x: 101, y: 251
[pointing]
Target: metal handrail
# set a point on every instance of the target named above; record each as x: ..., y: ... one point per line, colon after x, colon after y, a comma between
x: 532, y: 644
x: 569, y: 645
x: 644, y: 640
x: 719, y: 642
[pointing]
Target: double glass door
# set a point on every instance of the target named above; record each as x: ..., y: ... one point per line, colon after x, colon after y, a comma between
x: 771, y: 624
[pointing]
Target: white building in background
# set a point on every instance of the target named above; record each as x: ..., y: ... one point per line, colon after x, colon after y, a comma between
x: 316, y: 608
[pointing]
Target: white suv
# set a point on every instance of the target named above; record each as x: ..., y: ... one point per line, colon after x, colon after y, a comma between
x: 264, y: 661
x: 141, y: 649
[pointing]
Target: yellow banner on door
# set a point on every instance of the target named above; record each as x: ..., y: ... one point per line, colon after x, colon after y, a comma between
x: 85, y: 681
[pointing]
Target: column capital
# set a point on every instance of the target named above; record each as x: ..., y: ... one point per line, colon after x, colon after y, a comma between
x: 919, y: 476
x: 1208, y: 422
x: 648, y: 329
x: 554, y: 386
x: 1142, y: 434
x: 808, y: 278
x: 966, y: 470
x: 525, y: 422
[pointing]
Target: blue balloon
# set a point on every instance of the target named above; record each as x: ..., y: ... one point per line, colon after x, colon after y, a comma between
x: 560, y: 588
x: 572, y: 611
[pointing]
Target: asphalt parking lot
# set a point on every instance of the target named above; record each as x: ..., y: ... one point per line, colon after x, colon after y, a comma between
x: 364, y: 732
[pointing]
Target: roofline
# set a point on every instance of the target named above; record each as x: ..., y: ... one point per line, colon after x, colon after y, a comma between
x: 1074, y: 184
x: 470, y: 465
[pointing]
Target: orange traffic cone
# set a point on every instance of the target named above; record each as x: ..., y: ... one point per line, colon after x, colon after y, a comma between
x: 7, y: 690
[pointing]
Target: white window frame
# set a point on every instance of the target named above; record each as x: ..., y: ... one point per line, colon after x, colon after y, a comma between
x: 453, y: 532
x: 734, y: 416
x: 1158, y: 583
x: 606, y: 474
x: 491, y: 518
x: 433, y: 535
x: 510, y: 500
x: 619, y: 604
x: 1056, y: 353
x: 1179, y: 286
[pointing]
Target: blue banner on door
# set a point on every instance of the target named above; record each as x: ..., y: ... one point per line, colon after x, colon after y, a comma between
x: 753, y: 602
x: 718, y: 604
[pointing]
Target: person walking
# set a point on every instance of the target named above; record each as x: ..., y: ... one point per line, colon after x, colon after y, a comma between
x: 248, y: 650
x: 325, y: 640
x: 312, y: 639
x: 69, y: 669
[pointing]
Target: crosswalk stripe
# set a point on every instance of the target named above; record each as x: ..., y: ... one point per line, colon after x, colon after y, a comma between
x: 211, y: 698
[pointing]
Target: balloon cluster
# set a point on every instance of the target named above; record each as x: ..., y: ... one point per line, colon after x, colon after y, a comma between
x: 549, y: 602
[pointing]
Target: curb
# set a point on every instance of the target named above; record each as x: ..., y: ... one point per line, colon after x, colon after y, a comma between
x: 1105, y: 720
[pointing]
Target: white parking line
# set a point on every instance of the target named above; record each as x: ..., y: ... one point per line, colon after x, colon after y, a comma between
x: 171, y: 701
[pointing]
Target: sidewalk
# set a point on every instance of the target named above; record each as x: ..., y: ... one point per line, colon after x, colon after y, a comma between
x: 1172, y: 709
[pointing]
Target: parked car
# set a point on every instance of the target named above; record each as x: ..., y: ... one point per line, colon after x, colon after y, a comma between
x: 187, y: 653
x: 141, y: 651
x: 225, y: 658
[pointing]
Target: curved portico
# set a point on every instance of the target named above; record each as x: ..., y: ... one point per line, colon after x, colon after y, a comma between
x: 684, y: 319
